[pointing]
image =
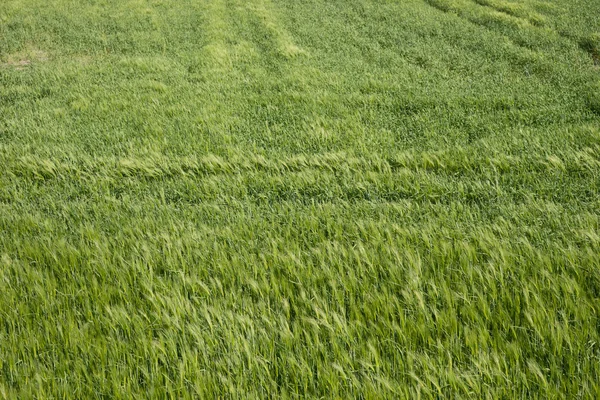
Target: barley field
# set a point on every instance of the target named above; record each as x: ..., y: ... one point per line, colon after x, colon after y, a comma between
x: 346, y: 199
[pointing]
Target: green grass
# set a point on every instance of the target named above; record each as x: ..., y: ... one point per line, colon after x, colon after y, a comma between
x: 299, y: 199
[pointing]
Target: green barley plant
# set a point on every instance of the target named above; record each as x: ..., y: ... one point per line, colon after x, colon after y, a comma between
x: 244, y: 199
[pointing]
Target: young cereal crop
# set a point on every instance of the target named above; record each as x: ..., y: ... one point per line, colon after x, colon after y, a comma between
x: 247, y: 199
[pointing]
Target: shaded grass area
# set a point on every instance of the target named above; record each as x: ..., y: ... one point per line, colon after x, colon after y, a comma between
x: 239, y: 199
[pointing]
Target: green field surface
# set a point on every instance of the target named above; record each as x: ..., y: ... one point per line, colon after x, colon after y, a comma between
x: 350, y: 199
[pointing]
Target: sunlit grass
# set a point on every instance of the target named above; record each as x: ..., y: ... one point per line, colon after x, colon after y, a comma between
x: 290, y: 199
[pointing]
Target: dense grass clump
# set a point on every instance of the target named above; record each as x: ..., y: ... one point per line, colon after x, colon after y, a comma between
x: 299, y: 199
